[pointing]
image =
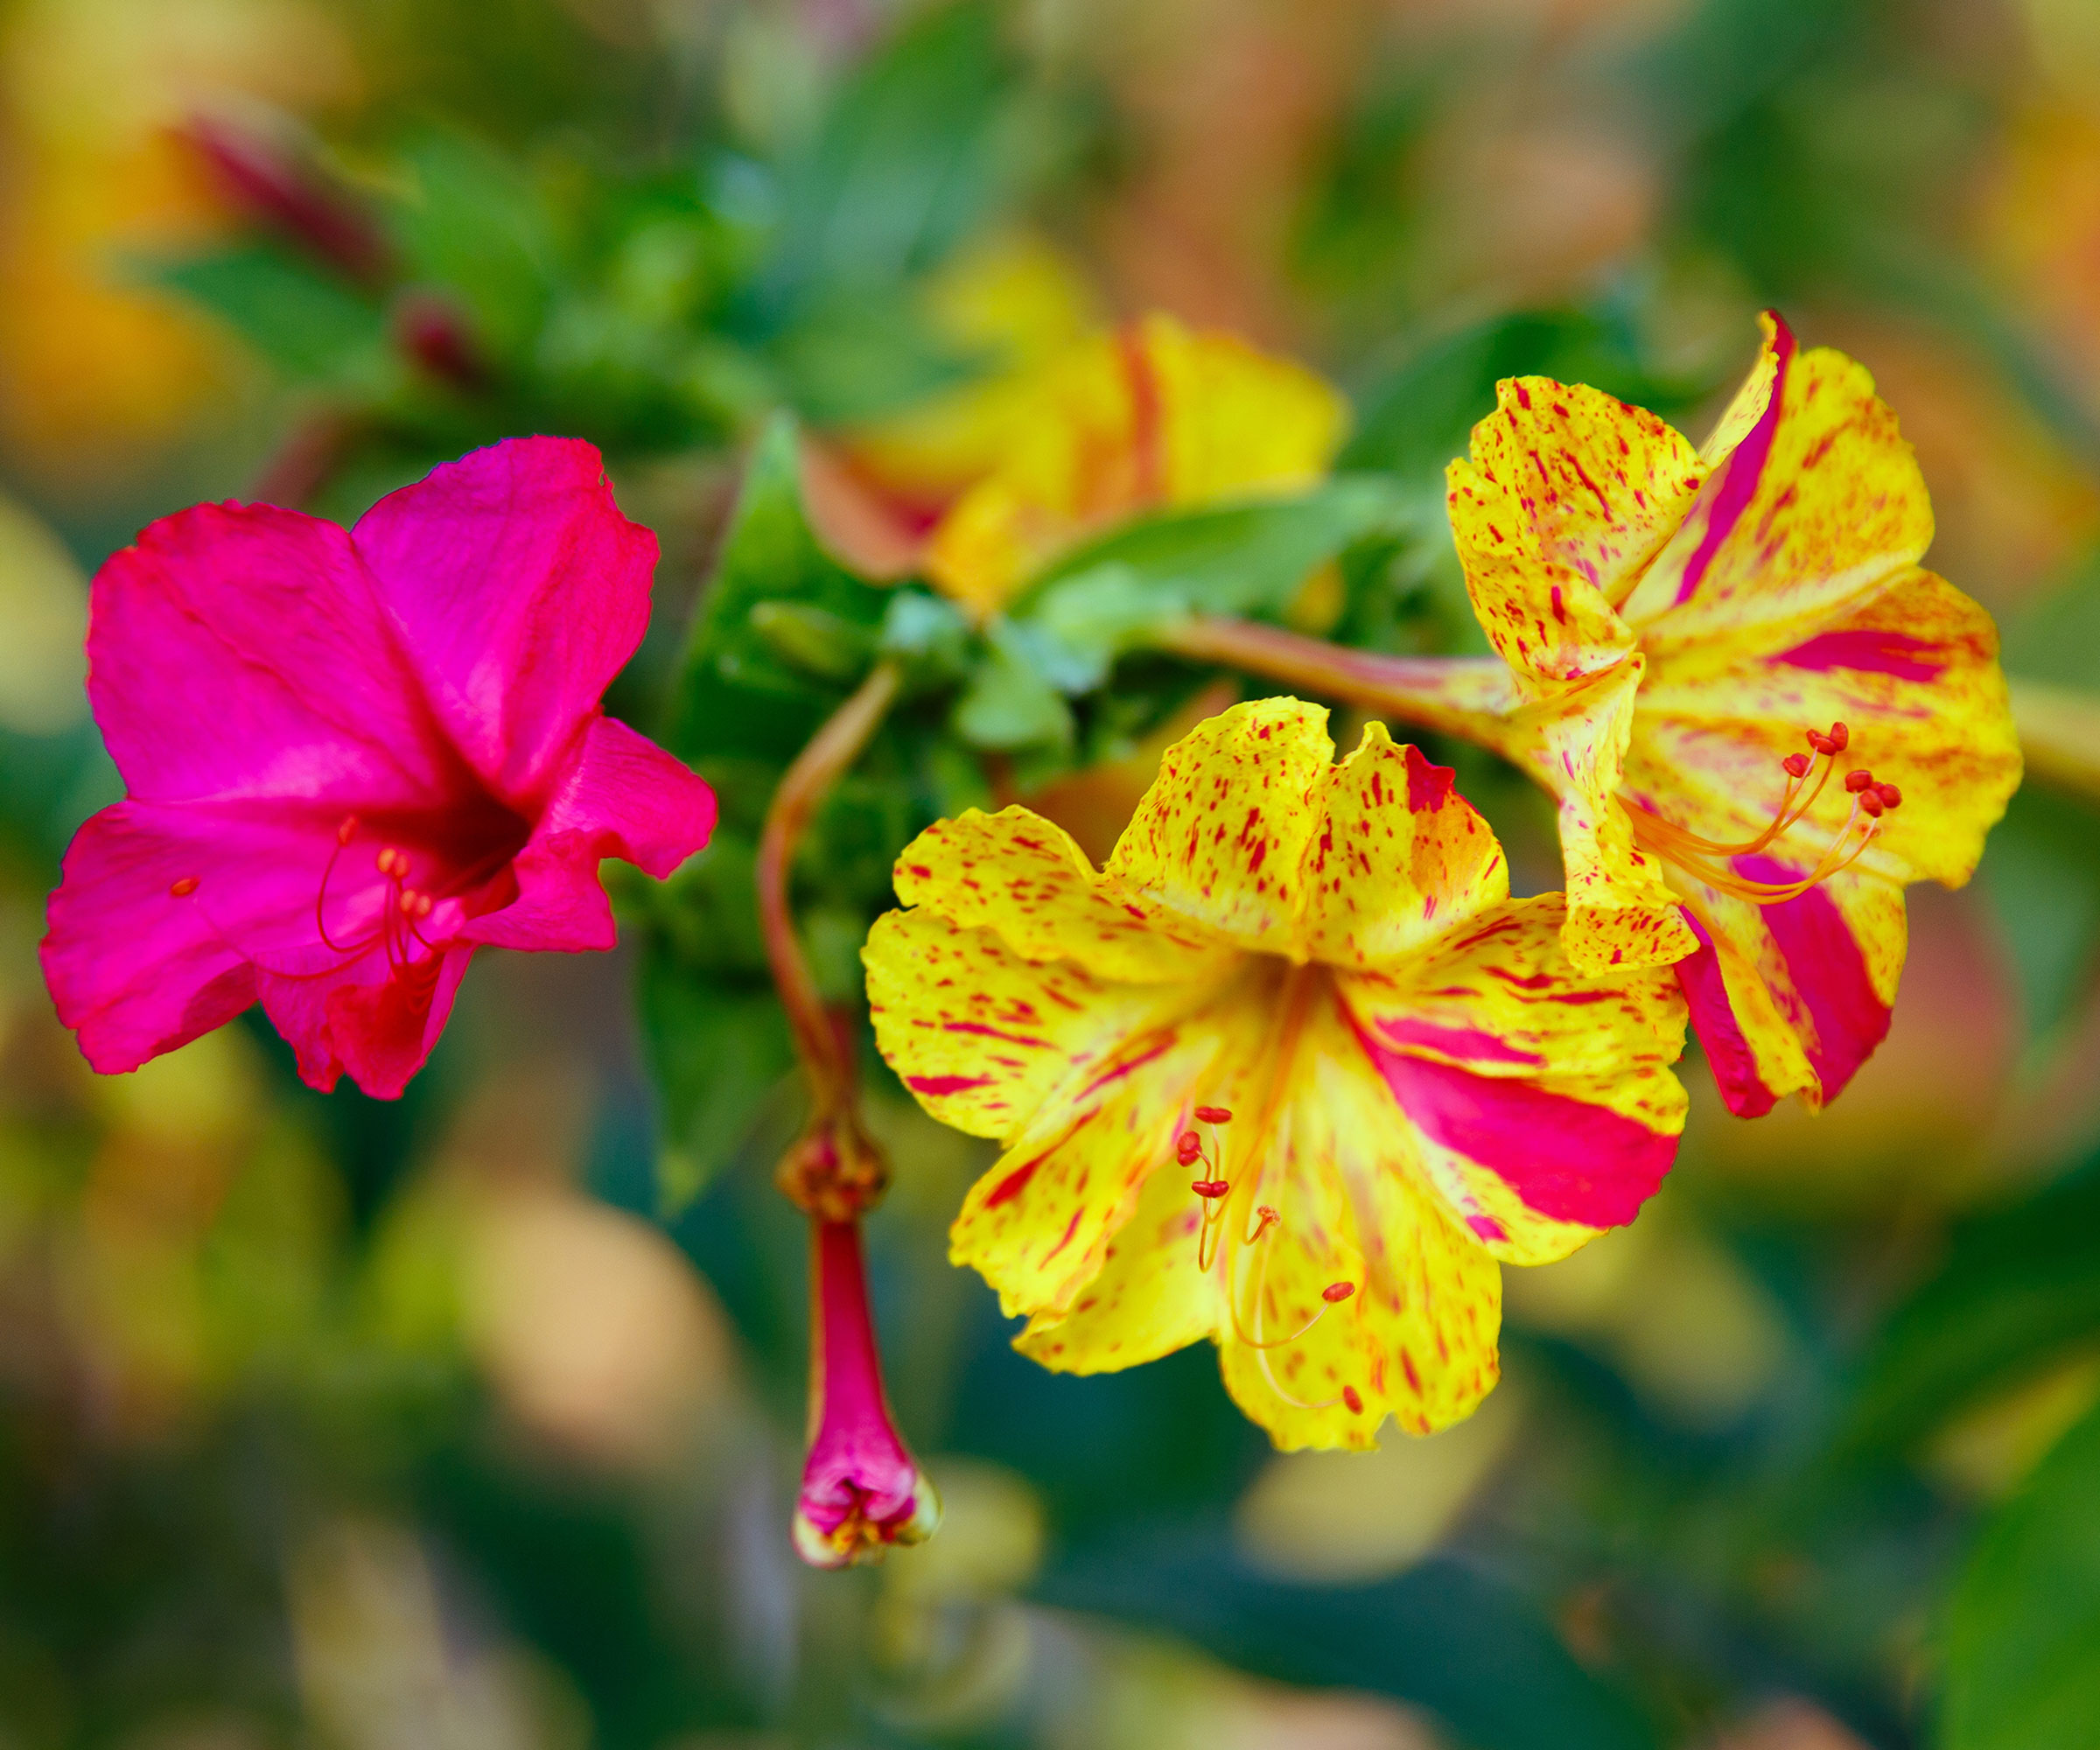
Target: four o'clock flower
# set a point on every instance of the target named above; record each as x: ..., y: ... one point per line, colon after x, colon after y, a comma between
x: 1292, y: 1073
x: 1149, y: 416
x: 352, y: 759
x: 1761, y: 715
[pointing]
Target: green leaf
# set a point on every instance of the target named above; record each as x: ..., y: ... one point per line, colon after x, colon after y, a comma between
x: 910, y: 158
x: 302, y: 321
x: 1233, y: 559
x: 2023, y: 1632
x: 477, y: 227
x: 1009, y: 703
x: 720, y: 1048
x: 2016, y: 1288
x: 735, y: 694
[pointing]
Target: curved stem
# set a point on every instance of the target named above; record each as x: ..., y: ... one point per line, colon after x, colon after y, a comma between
x: 833, y: 1170
x: 1470, y: 697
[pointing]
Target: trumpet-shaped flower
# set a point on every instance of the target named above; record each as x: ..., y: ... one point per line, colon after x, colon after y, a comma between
x: 1149, y: 416
x: 1293, y: 1072
x: 1761, y: 716
x: 352, y: 759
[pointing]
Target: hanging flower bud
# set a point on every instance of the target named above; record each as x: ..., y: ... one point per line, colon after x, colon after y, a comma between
x: 862, y: 1490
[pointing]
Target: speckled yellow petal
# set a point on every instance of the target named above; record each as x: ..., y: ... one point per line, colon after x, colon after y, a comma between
x: 1793, y: 998
x: 1399, y: 858
x: 1620, y: 911
x: 984, y: 1036
x: 1416, y: 1338
x: 1544, y: 1100
x: 1566, y: 496
x: 1149, y: 416
x: 1817, y: 507
x: 1913, y: 675
x: 1022, y: 875
x: 1038, y: 1224
x: 1222, y: 835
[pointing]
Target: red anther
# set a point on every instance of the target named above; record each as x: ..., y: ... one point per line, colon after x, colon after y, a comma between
x: 392, y: 862
x: 183, y: 888
x: 1349, y: 1397
x: 1839, y: 737
x: 1337, y: 1290
x: 1215, y: 1115
x: 1796, y: 764
x: 1266, y: 1214
x: 1890, y: 797
x: 1188, y: 1147
x: 1871, y: 801
x: 1821, y: 743
x: 409, y: 901
x: 347, y: 830
x: 1858, y: 778
x: 1210, y: 1188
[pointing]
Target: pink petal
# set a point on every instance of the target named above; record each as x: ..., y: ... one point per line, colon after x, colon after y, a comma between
x: 373, y: 1021
x: 1568, y: 1159
x: 1829, y: 969
x: 243, y: 652
x: 1721, y: 1034
x: 136, y: 969
x: 621, y: 796
x: 521, y: 590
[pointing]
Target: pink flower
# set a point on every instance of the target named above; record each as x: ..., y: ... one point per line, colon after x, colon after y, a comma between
x: 352, y: 759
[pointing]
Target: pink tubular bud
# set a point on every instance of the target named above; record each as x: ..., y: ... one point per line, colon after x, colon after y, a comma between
x: 862, y: 1491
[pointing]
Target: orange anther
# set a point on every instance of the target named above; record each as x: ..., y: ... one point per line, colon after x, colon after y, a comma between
x: 347, y: 830
x: 407, y: 902
x: 391, y: 862
x: 1337, y: 1290
x: 1858, y: 778
x: 1349, y: 1397
x: 183, y: 888
x: 1215, y: 1115
x: 423, y: 903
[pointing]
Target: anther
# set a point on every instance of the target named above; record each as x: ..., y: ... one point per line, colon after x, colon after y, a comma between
x: 1871, y: 802
x: 392, y: 862
x: 1210, y: 1188
x: 347, y: 830
x: 1858, y: 778
x: 1337, y: 1290
x: 1840, y: 736
x: 1188, y: 1147
x: 414, y: 904
x: 1820, y: 743
x: 1350, y: 1398
x: 1890, y: 797
x: 183, y: 888
x: 1215, y: 1115
x: 1797, y: 765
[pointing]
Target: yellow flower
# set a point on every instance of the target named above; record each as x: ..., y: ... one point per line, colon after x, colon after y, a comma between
x: 1292, y: 1073
x: 1150, y: 416
x: 1699, y: 642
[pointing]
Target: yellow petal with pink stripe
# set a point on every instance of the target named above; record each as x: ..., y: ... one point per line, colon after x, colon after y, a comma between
x: 1819, y: 506
x: 1313, y: 1146
x: 1150, y: 416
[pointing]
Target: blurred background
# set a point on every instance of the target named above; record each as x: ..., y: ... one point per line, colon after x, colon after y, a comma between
x: 473, y: 1421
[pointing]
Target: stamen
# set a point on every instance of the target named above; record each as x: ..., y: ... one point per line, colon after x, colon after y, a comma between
x: 184, y: 888
x: 1188, y: 1147
x: 1337, y: 1291
x: 1707, y: 859
x: 1210, y: 1188
x: 1215, y: 1115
